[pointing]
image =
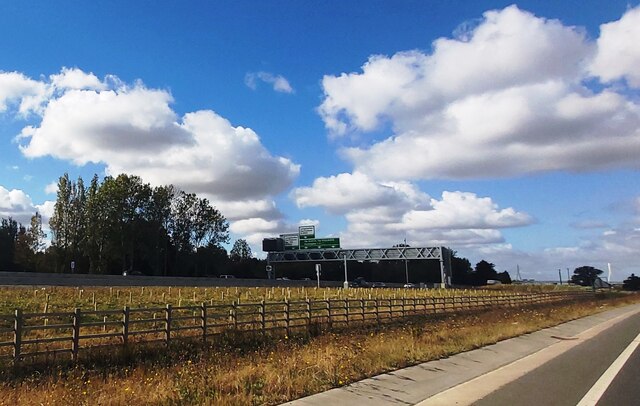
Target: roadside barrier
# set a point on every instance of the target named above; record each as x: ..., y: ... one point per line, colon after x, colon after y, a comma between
x: 50, y: 335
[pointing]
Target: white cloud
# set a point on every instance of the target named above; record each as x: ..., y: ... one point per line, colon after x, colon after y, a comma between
x: 74, y: 78
x: 460, y: 210
x: 618, y: 52
x: 517, y: 105
x: 348, y: 192
x: 51, y: 188
x: 133, y: 129
x: 18, y: 205
x: 15, y: 87
x: 384, y: 213
x: 279, y: 82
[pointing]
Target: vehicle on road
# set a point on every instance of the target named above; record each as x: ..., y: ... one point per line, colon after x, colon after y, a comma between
x: 359, y: 282
x: 378, y: 285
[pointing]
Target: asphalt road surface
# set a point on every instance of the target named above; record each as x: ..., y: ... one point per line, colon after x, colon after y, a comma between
x: 567, y: 378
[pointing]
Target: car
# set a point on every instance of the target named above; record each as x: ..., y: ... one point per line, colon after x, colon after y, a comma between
x: 410, y: 285
x: 378, y: 285
x: 284, y: 278
x: 359, y: 282
x: 227, y: 277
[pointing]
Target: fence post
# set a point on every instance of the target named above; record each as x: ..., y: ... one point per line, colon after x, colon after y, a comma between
x: 362, y: 310
x: 203, y: 321
x: 262, y: 310
x: 404, y: 303
x: 75, y: 342
x: 346, y: 311
x: 233, y: 314
x: 17, y: 336
x: 308, y: 302
x: 329, y: 312
x: 377, y: 312
x: 287, y: 315
x: 125, y: 326
x: 167, y: 324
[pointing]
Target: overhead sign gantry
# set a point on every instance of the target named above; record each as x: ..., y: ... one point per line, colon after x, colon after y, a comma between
x: 440, y: 254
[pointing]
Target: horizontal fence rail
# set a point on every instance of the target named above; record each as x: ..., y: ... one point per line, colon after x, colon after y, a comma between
x: 27, y: 335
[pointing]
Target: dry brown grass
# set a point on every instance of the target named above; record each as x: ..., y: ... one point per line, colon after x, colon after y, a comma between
x: 270, y: 370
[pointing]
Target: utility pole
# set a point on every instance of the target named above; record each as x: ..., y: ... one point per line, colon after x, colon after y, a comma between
x: 560, y: 275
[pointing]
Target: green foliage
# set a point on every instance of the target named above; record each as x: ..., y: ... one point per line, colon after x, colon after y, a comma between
x: 585, y: 275
x: 120, y: 224
x: 240, y: 251
x: 461, y: 269
x: 8, y: 236
x: 631, y: 283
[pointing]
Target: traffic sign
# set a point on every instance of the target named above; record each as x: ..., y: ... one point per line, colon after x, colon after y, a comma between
x: 319, y: 243
x: 291, y: 241
x: 306, y: 232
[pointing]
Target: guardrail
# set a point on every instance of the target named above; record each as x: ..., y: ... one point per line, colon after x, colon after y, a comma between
x: 27, y: 335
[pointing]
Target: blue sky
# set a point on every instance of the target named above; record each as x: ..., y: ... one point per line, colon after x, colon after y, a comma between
x: 509, y: 132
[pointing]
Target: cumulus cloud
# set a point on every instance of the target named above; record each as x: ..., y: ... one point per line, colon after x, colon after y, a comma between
x: 74, y: 78
x: 460, y: 210
x: 618, y: 53
x: 131, y: 128
x: 519, y: 104
x: 27, y: 93
x: 347, y: 192
x: 384, y: 213
x: 278, y: 82
x: 18, y: 205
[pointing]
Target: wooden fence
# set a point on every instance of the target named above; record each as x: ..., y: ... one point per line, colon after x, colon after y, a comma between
x: 50, y: 334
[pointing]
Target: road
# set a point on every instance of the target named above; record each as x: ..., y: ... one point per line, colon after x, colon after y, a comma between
x: 567, y: 378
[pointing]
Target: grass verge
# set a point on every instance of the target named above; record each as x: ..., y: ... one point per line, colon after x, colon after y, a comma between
x: 271, y: 369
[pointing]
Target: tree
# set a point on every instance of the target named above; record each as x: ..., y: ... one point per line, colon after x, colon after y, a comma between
x: 68, y: 221
x: 484, y: 271
x: 35, y: 234
x: 631, y: 283
x: 585, y: 275
x: 123, y: 223
x: 460, y: 269
x: 8, y: 236
x: 240, y: 251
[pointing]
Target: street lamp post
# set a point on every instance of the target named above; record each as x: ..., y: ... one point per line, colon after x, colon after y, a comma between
x: 346, y: 280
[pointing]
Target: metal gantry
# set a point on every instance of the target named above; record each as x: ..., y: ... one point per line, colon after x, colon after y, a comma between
x: 357, y: 254
x: 440, y: 254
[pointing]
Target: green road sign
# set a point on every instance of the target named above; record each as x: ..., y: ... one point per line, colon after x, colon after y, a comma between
x: 319, y: 243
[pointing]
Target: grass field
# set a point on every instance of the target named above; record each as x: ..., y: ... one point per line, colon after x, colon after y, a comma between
x: 265, y: 369
x: 53, y: 299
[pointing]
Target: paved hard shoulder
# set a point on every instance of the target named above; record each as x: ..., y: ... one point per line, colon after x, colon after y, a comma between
x: 412, y: 385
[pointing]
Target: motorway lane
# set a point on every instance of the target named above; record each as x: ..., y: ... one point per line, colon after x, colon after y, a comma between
x: 625, y: 388
x: 567, y: 378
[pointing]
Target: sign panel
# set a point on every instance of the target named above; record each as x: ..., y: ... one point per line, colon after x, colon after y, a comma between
x: 319, y: 243
x: 306, y: 232
x: 291, y: 241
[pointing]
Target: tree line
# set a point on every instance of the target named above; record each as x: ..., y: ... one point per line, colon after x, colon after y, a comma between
x: 122, y: 224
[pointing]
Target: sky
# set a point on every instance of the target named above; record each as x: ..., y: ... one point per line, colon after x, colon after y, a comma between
x: 509, y: 132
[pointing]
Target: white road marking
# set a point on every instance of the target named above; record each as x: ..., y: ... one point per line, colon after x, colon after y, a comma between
x: 597, y: 390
